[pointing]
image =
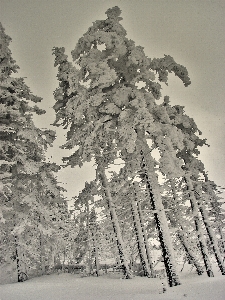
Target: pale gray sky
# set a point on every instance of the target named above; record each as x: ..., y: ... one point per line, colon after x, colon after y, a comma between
x: 190, y: 31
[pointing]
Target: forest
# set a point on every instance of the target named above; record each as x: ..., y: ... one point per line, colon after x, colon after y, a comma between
x: 152, y: 202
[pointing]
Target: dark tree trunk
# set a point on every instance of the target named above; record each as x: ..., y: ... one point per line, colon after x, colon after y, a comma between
x: 222, y: 242
x: 198, y: 227
x: 88, y: 237
x: 149, y: 175
x: 140, y: 240
x: 212, y: 237
x: 42, y: 251
x: 17, y: 259
x: 95, y: 242
x: 165, y: 240
x: 96, y: 255
x: 190, y: 253
x: 144, y: 234
x: 176, y: 222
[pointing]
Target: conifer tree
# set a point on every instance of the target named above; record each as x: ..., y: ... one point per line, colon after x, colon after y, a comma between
x: 105, y: 112
x: 193, y: 169
x: 28, y: 188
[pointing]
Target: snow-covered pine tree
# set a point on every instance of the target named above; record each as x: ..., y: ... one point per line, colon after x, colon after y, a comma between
x: 26, y: 179
x: 99, y: 100
x: 191, y: 141
x: 195, y: 169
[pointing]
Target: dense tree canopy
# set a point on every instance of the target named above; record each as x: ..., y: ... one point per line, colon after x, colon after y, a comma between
x: 107, y: 102
x: 158, y: 195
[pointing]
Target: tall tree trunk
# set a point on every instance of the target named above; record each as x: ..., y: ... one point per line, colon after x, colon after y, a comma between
x: 16, y: 243
x: 64, y: 259
x: 198, y: 227
x: 97, y: 265
x: 95, y: 242
x: 140, y: 240
x: 164, y: 237
x: 88, y: 270
x: 42, y: 250
x: 189, y: 252
x: 222, y: 240
x: 144, y: 234
x: 181, y: 232
x: 115, y: 222
x: 211, y: 234
x: 151, y: 181
x: 17, y: 259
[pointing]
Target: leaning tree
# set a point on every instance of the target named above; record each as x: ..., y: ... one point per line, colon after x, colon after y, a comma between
x: 107, y: 102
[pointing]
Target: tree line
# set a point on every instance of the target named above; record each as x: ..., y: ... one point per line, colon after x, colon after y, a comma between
x: 106, y: 102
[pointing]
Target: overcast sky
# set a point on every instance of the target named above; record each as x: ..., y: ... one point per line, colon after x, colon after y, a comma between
x: 192, y: 32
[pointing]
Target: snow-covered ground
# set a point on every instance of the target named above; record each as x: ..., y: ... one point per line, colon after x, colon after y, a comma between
x: 69, y: 287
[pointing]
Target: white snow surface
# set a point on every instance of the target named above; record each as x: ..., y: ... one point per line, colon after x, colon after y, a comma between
x: 110, y: 287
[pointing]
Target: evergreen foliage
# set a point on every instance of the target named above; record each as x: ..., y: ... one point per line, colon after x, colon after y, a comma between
x: 31, y: 205
x: 107, y: 103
